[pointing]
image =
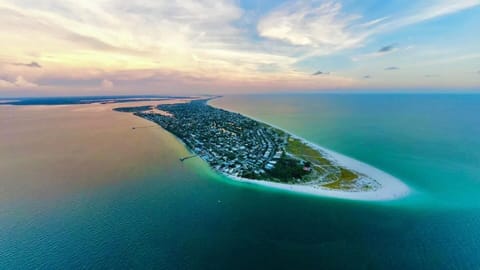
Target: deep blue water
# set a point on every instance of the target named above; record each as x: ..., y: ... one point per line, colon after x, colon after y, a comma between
x: 186, y: 217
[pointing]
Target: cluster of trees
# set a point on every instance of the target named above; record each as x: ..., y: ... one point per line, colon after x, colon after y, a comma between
x: 288, y: 169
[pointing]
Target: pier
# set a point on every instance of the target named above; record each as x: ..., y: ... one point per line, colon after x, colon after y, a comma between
x: 185, y: 158
x: 143, y: 127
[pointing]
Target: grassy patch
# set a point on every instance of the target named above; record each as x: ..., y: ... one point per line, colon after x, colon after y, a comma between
x: 337, y: 177
x: 301, y: 150
x: 346, y: 178
x: 320, y: 170
x: 346, y: 175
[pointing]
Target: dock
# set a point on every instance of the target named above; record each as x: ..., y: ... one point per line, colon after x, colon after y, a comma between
x: 185, y: 158
x: 143, y: 127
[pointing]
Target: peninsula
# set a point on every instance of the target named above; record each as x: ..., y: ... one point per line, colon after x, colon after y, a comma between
x: 252, y: 151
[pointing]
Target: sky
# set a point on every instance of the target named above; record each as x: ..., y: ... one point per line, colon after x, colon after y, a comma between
x: 107, y: 47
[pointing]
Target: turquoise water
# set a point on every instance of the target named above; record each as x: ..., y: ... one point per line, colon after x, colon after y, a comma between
x: 431, y: 142
x: 186, y: 217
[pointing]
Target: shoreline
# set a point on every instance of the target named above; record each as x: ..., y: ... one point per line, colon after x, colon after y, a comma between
x: 391, y: 187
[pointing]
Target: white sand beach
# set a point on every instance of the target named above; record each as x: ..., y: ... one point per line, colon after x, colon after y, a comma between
x: 391, y: 187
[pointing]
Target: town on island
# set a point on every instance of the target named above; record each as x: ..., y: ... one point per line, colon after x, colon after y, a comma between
x: 246, y: 149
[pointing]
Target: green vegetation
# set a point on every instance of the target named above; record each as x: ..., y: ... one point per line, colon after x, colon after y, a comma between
x: 346, y: 179
x: 288, y: 169
x: 303, y: 151
x: 333, y: 175
x: 251, y: 175
x: 346, y: 175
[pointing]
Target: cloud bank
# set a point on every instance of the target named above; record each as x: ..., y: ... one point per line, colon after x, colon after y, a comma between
x: 195, y: 45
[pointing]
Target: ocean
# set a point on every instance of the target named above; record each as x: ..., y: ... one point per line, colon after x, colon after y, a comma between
x: 160, y: 213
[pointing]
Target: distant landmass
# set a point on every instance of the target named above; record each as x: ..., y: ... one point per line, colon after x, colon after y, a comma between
x: 81, y: 100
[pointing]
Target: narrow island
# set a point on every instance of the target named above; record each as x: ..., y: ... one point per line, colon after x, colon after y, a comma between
x: 252, y: 151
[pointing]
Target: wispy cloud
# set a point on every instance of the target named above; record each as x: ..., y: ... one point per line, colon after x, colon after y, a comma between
x: 18, y: 82
x: 325, y: 27
x: 387, y: 48
x: 427, y: 10
x: 320, y: 73
x: 322, y: 26
x: 392, y: 68
x: 451, y: 59
x: 107, y: 84
x: 22, y: 82
x: 30, y: 65
x: 6, y: 84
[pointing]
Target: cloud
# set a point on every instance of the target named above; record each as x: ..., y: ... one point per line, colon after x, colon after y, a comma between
x: 126, y: 26
x: 188, y: 36
x: 18, y: 82
x: 427, y: 10
x: 445, y: 59
x: 320, y: 73
x: 198, y: 40
x: 22, y: 82
x: 323, y: 26
x: 167, y: 81
x: 107, y: 84
x: 6, y: 84
x: 31, y: 65
x: 379, y: 53
x: 270, y: 67
x: 387, y: 48
x: 392, y: 68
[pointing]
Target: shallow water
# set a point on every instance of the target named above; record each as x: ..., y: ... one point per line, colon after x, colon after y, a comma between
x: 157, y: 212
